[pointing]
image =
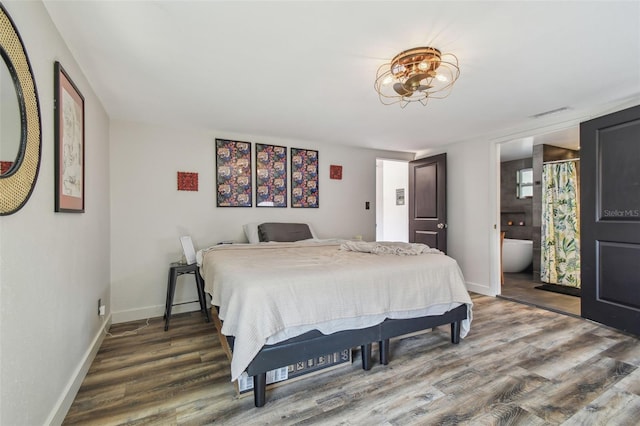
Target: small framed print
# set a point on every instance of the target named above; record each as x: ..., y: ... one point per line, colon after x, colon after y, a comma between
x: 233, y: 174
x: 69, y: 143
x: 304, y: 178
x: 335, y: 172
x: 271, y: 175
x: 187, y: 181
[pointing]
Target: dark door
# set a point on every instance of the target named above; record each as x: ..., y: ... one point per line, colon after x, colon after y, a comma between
x: 610, y: 219
x: 428, y: 201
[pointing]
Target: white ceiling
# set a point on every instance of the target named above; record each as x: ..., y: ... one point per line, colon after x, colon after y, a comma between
x: 305, y: 70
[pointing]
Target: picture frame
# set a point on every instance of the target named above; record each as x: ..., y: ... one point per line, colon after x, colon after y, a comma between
x: 335, y: 172
x: 69, y: 142
x: 305, y: 192
x: 271, y: 175
x: 234, y: 183
x: 188, y: 181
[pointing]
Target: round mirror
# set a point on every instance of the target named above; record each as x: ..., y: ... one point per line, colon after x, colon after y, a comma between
x: 19, y: 121
x: 10, y: 122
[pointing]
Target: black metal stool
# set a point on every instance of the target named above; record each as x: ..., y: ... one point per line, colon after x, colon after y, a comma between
x: 175, y: 270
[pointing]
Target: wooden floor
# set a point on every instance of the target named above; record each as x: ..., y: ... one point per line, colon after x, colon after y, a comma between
x: 520, y: 287
x: 518, y: 365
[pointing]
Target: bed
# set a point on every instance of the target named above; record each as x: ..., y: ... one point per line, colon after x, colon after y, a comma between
x: 289, y: 297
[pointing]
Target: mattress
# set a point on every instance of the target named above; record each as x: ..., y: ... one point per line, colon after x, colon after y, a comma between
x: 270, y: 292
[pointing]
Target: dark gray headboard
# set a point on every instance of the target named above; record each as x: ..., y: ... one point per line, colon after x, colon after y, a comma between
x: 284, y: 232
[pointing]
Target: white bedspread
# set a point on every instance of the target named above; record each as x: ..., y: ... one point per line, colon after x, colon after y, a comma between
x: 266, y: 290
x: 388, y: 247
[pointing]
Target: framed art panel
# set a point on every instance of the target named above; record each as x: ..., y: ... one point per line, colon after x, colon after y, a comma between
x: 187, y: 181
x: 233, y: 173
x: 271, y: 175
x: 335, y: 172
x: 69, y: 143
x: 304, y: 178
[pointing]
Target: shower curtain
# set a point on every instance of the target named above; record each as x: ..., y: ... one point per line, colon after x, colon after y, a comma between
x: 560, y: 246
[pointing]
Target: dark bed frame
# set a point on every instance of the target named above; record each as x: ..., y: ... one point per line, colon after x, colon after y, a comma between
x: 314, y: 343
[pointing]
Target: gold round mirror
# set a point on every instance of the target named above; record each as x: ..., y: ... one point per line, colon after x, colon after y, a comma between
x: 20, y: 153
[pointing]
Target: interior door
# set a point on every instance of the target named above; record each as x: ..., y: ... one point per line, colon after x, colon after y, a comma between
x: 428, y: 201
x: 610, y: 219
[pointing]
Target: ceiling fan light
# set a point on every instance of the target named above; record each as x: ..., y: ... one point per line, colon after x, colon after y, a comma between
x: 414, y: 73
x: 398, y: 69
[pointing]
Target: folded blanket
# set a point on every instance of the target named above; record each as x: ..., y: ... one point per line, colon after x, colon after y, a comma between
x: 387, y: 247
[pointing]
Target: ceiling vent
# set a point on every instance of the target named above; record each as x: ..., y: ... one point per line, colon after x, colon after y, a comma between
x: 553, y: 111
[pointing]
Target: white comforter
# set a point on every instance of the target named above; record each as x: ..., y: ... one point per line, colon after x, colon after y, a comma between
x: 270, y: 292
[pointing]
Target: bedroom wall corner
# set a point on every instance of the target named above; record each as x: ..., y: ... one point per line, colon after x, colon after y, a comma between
x: 54, y: 266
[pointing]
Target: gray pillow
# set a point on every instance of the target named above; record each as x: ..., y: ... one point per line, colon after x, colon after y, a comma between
x: 284, y: 232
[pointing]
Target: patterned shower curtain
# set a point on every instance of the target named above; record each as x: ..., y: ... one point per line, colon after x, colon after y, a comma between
x: 560, y: 246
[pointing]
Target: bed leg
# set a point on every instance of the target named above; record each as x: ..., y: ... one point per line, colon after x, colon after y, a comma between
x: 383, y: 348
x: 259, y: 389
x: 455, y: 332
x: 366, y: 356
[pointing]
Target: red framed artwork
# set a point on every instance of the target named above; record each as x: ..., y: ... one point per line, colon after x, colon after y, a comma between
x: 69, y: 143
x: 335, y: 172
x: 187, y: 181
x: 5, y: 166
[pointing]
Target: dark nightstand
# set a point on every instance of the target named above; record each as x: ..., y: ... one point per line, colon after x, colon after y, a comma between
x: 175, y: 270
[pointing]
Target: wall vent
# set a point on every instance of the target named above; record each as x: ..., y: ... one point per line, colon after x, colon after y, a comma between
x: 553, y: 111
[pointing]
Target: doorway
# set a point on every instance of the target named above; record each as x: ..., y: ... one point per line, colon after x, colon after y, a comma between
x: 392, y: 200
x: 521, y: 219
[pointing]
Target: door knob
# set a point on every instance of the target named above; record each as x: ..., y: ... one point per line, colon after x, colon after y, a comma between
x: 441, y: 226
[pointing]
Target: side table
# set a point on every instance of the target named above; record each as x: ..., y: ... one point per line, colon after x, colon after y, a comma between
x: 175, y: 270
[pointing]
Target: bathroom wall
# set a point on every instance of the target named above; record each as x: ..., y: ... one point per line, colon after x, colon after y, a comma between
x: 513, y: 209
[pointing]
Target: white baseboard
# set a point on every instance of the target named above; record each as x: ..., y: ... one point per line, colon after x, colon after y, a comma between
x: 57, y: 415
x: 152, y: 312
x: 480, y: 289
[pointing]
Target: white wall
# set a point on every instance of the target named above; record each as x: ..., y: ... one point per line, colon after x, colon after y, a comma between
x: 53, y: 266
x: 470, y: 215
x: 148, y: 213
x: 393, y: 223
x: 470, y: 200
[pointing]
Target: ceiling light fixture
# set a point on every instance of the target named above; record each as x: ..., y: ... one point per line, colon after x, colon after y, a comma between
x: 417, y: 75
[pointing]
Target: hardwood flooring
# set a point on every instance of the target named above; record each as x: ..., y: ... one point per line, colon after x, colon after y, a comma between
x: 520, y: 287
x: 518, y: 365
